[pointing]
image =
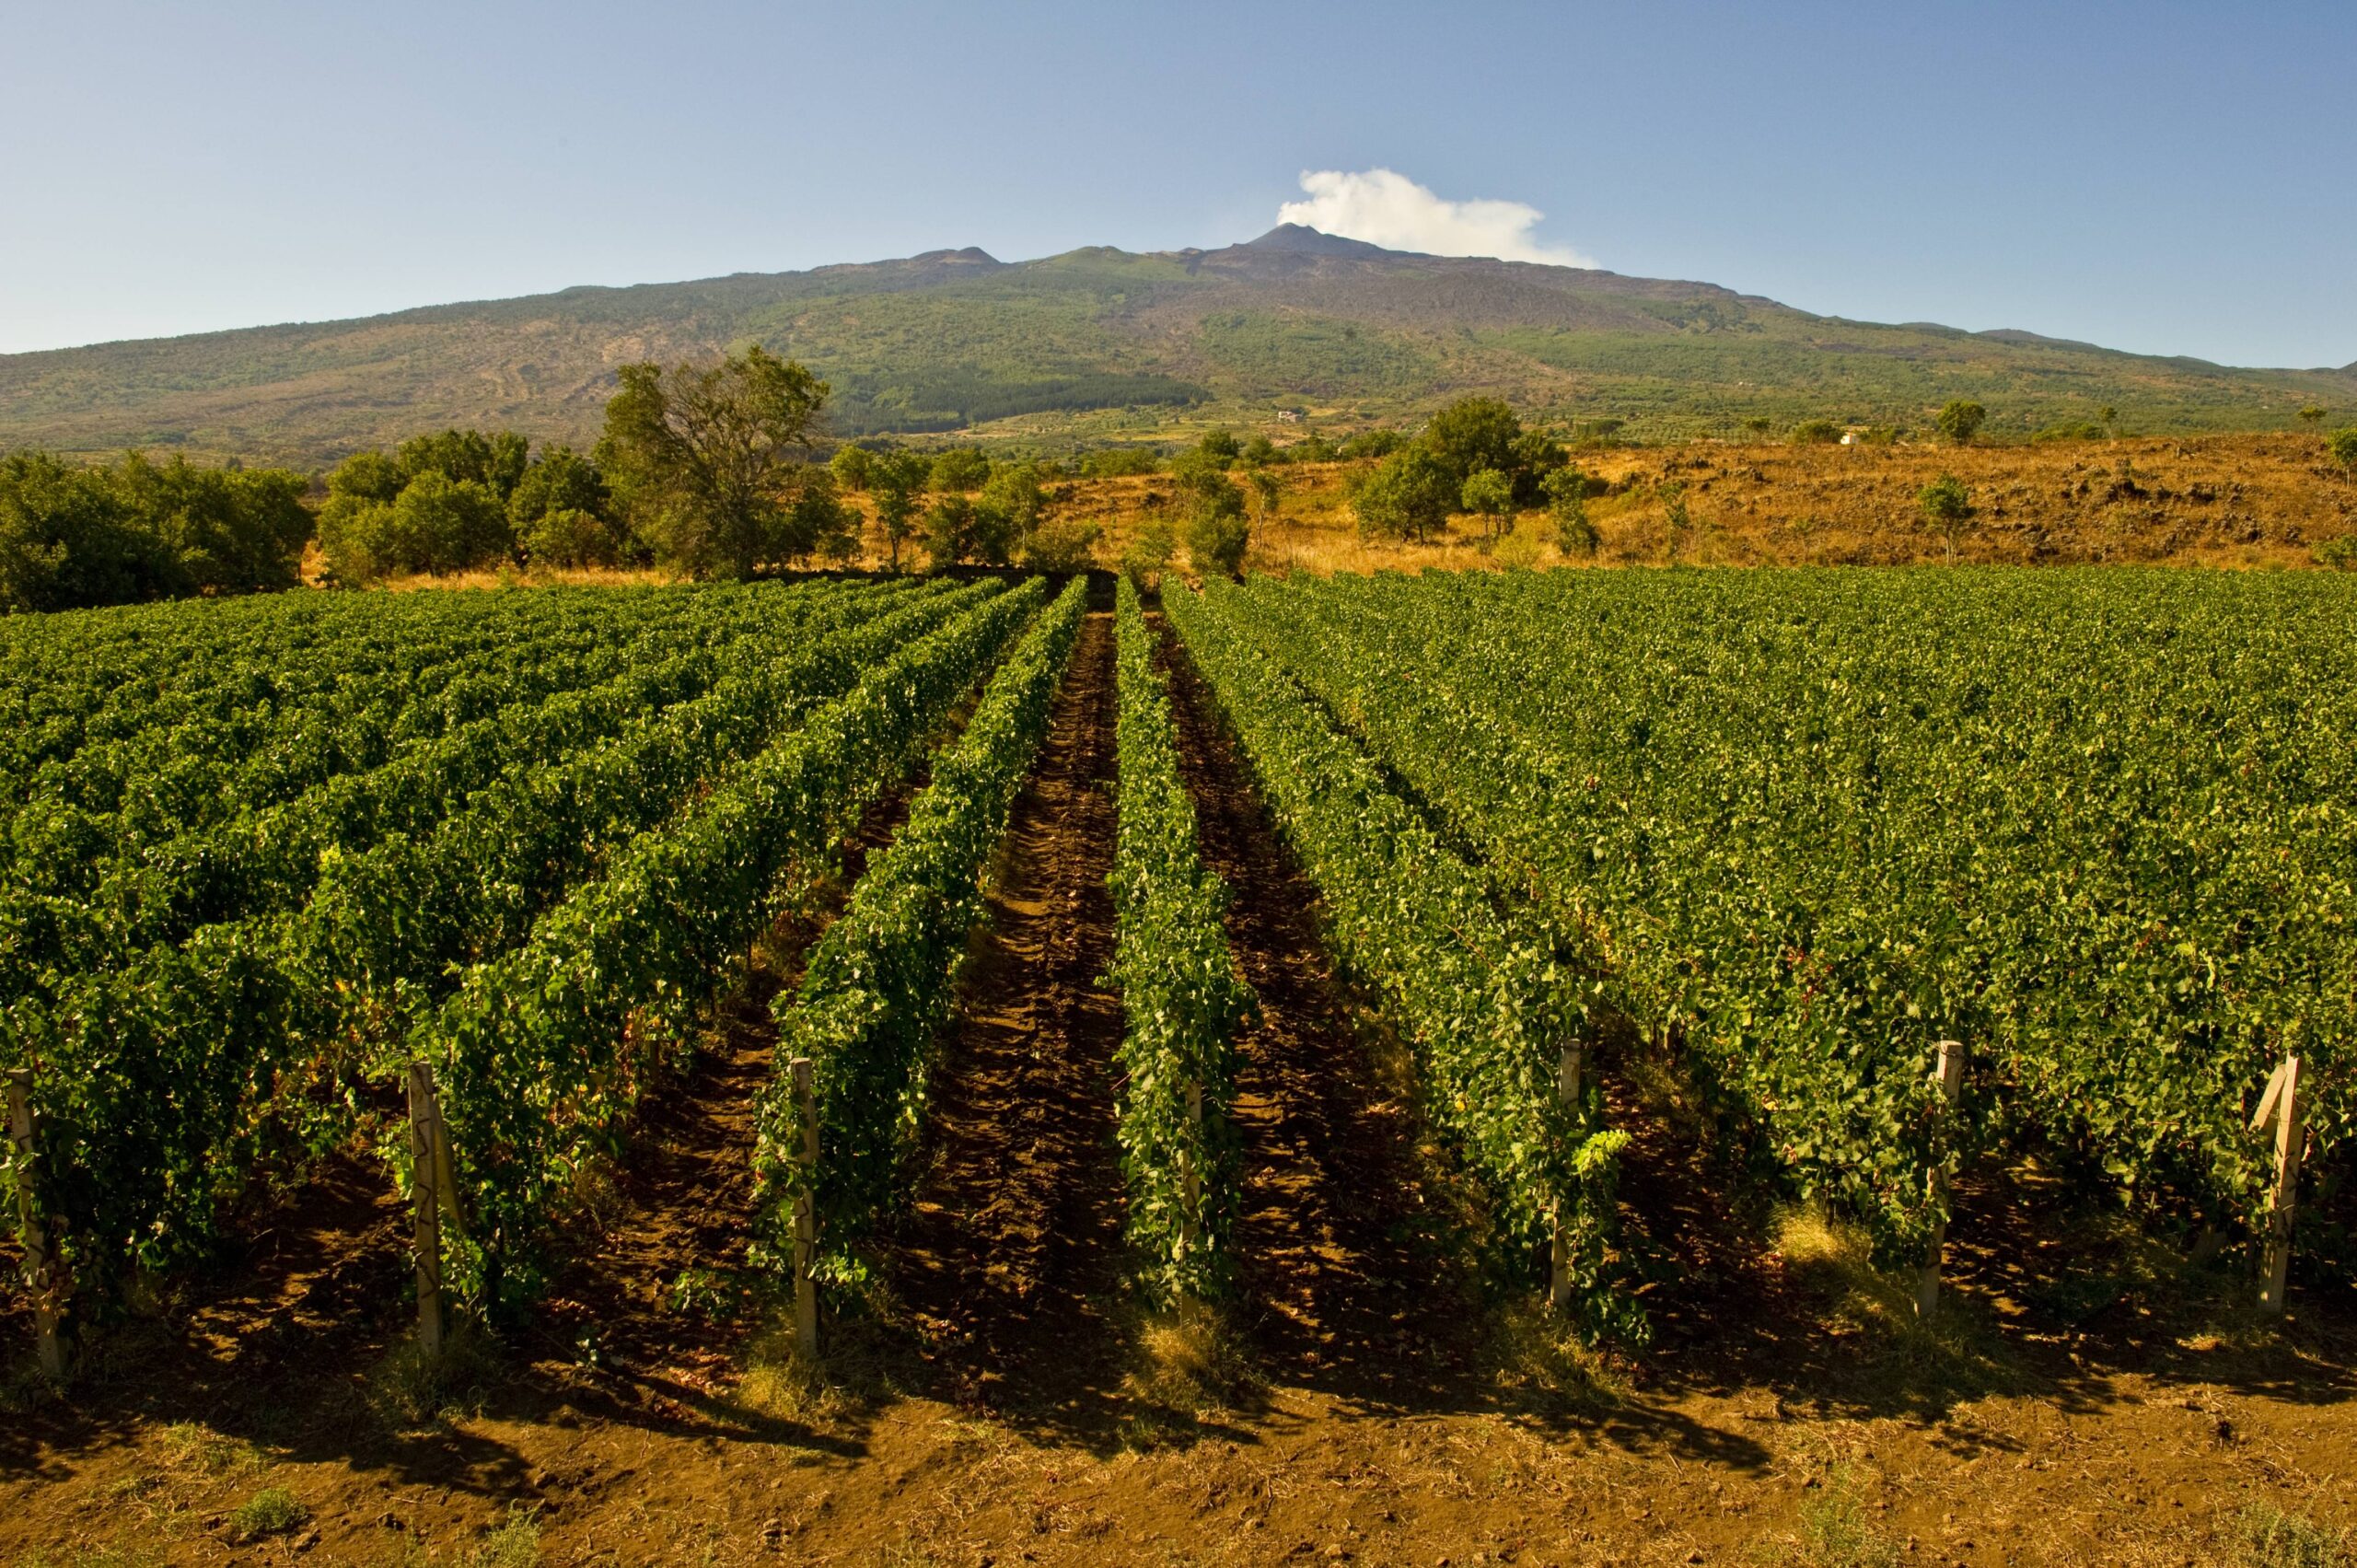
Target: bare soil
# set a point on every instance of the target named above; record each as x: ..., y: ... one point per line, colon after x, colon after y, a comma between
x: 2085, y: 1399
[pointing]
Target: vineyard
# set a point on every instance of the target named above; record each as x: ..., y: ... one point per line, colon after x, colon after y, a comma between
x: 1312, y: 957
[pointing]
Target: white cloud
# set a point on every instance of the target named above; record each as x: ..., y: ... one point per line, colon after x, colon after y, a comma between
x: 1392, y: 210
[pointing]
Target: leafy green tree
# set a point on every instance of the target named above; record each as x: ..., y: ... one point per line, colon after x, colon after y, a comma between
x: 1221, y: 447
x: 1310, y: 449
x: 224, y: 530
x: 562, y: 481
x: 1815, y: 432
x: 2343, y: 448
x: 567, y: 536
x: 851, y: 466
x: 1567, y: 490
x: 2109, y: 418
x: 960, y: 470
x: 68, y: 540
x: 1946, y: 505
x: 1758, y: 425
x: 1148, y: 556
x: 896, y: 480
x: 1014, y: 490
x: 813, y: 520
x: 1407, y: 496
x: 1536, y: 455
x: 949, y: 531
x: 1259, y: 452
x: 1196, y: 470
x: 1473, y: 434
x: 1266, y: 489
x: 1488, y: 494
x: 1217, y: 534
x: 707, y: 459
x: 1961, y: 420
x: 1376, y: 443
x: 993, y: 534
x: 496, y: 462
x: 2312, y: 415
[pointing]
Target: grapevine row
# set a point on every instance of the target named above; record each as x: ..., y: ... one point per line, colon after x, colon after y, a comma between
x: 881, y: 982
x: 542, y: 1052
x: 1486, y: 1006
x: 1180, y: 994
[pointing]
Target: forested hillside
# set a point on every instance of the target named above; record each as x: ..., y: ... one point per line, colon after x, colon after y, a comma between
x: 1098, y: 344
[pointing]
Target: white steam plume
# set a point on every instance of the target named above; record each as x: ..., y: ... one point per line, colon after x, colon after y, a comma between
x: 1392, y: 210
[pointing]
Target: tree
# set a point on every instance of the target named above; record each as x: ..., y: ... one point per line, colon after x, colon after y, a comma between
x: 2312, y: 415
x: 960, y: 470
x: 949, y: 531
x: 1757, y: 424
x: 2343, y: 448
x: 1258, y: 453
x: 1815, y: 432
x: 993, y: 534
x: 561, y: 480
x: 707, y: 459
x: 852, y: 465
x: 1407, y: 496
x: 1961, y: 421
x: 1217, y: 535
x: 1567, y: 509
x: 896, y: 480
x: 1220, y: 447
x: 73, y: 535
x: 1014, y: 490
x: 1473, y: 434
x: 1946, y: 505
x: 1488, y: 494
x: 1148, y: 556
x: 2108, y: 417
x: 495, y: 461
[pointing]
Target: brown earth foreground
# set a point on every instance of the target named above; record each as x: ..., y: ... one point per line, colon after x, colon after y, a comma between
x: 1001, y: 1401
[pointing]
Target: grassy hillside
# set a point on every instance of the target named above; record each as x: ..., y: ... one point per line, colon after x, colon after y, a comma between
x: 1099, y: 342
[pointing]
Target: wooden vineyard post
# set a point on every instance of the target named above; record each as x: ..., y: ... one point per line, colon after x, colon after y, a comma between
x: 429, y: 1165
x: 806, y: 1215
x: 43, y: 1270
x: 1568, y: 1070
x: 1947, y: 1073
x: 1191, y: 1180
x: 2280, y: 1105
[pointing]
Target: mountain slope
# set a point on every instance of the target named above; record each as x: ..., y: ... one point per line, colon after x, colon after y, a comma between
x: 1099, y: 341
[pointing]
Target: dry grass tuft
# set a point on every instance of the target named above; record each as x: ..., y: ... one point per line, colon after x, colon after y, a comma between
x: 1189, y: 1364
x: 407, y: 1391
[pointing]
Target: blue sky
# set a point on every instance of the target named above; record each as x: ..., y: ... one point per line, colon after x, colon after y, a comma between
x: 2160, y: 176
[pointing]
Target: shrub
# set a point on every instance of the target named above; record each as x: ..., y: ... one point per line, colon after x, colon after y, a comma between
x: 1115, y: 461
x: 270, y: 1512
x: 2339, y: 553
x: 2072, y: 430
x: 1376, y: 443
x: 567, y: 538
x: 1066, y: 545
x: 1815, y: 432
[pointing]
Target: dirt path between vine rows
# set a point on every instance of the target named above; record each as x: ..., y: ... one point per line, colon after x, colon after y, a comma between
x: 1010, y: 1261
